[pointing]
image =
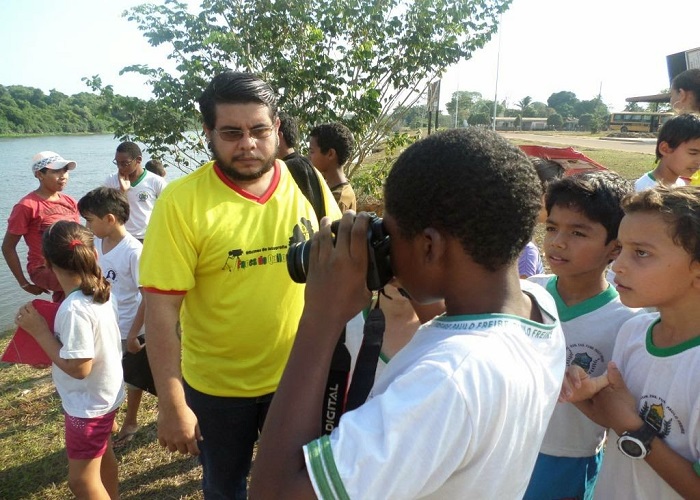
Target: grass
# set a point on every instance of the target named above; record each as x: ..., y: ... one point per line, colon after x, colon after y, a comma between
x: 33, y: 464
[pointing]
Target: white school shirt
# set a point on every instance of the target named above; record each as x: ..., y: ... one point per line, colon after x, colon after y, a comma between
x: 666, y: 384
x: 459, y: 412
x: 120, y: 266
x: 647, y: 181
x: 590, y: 329
x: 142, y: 196
x: 89, y: 330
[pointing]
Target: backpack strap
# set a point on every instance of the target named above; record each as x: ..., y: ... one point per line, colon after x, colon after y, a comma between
x: 308, y: 182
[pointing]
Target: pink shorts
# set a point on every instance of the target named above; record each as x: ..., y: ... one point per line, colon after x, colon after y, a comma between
x: 87, y: 438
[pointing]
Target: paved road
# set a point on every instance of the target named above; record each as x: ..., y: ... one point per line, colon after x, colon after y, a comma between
x: 639, y: 146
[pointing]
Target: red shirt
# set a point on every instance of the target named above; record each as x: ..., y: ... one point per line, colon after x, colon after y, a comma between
x: 33, y: 215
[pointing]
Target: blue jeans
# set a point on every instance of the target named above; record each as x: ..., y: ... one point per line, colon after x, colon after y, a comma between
x: 230, y: 428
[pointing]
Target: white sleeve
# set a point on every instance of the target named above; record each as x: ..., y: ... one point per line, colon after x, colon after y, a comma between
x: 111, y: 182
x: 420, y: 423
x: 76, y: 330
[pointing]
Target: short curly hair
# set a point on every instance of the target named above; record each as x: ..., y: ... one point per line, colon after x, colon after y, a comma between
x: 473, y: 185
x: 336, y: 136
x: 679, y: 206
x: 597, y: 195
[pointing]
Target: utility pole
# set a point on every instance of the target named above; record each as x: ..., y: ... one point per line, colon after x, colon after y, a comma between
x: 456, y: 107
x: 498, y: 66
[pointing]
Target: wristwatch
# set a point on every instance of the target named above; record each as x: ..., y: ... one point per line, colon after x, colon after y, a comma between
x: 637, y: 444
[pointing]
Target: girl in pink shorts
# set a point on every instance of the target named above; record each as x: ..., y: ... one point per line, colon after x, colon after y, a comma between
x: 85, y: 351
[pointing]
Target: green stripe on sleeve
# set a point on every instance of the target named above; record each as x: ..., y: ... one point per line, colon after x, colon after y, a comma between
x: 324, y: 471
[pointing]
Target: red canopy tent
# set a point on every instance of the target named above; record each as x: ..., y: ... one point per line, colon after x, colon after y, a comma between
x: 573, y: 161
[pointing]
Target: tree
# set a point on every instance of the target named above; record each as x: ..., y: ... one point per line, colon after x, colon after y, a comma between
x: 555, y: 121
x: 464, y: 101
x: 354, y: 61
x: 26, y: 110
x: 586, y: 121
x: 634, y: 107
x: 479, y: 118
x: 415, y: 116
x: 564, y: 103
x: 524, y: 103
x: 538, y: 109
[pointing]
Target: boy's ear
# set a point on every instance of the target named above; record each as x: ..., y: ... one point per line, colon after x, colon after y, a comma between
x: 434, y: 245
x: 695, y: 273
x: 614, y: 251
x: 665, y: 148
x: 110, y: 219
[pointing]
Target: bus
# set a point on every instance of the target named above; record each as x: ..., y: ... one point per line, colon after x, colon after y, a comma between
x: 643, y: 121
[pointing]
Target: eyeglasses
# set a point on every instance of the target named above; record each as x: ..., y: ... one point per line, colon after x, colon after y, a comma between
x: 123, y: 164
x: 235, y: 134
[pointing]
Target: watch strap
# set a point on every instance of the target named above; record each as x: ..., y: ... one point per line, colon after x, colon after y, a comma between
x: 646, y: 433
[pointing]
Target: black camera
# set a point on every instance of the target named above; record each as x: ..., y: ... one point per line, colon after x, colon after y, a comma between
x: 378, y: 263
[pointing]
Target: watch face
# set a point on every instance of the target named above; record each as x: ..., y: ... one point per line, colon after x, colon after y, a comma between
x: 631, y: 447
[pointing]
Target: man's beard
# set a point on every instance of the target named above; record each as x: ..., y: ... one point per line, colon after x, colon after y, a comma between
x: 229, y: 170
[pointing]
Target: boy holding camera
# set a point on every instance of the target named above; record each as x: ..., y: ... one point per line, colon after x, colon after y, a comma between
x: 443, y: 418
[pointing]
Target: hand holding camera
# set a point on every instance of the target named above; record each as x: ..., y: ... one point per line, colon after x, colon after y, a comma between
x: 340, y: 263
x: 379, y: 271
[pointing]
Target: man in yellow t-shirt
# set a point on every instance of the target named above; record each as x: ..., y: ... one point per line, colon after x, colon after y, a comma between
x: 218, y: 294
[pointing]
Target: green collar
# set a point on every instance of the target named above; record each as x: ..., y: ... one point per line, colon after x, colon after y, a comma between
x: 664, y: 352
x: 567, y: 313
x: 141, y: 177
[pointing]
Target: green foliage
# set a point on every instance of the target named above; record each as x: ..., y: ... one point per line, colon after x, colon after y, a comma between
x: 479, y: 118
x: 586, y: 121
x: 555, y: 121
x: 538, y: 109
x: 463, y: 102
x: 524, y: 104
x: 518, y: 121
x: 27, y: 110
x: 415, y: 116
x: 368, y: 183
x: 353, y: 61
x: 564, y: 103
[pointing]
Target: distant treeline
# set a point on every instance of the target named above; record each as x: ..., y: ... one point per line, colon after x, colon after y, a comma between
x: 27, y: 110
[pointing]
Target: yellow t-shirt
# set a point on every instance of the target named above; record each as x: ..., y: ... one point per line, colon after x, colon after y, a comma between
x: 695, y: 179
x: 227, y: 252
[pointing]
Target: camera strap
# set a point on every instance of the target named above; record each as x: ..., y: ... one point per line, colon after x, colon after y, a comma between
x: 336, y: 386
x: 367, y: 358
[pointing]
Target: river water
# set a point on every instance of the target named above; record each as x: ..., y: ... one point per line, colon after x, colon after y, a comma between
x: 93, y: 155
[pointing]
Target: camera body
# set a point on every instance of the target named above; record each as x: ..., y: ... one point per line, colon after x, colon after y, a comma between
x: 379, y: 271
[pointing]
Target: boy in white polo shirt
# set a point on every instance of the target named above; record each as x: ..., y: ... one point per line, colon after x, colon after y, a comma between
x: 461, y: 410
x: 677, y: 153
x: 650, y: 395
x: 142, y: 187
x: 583, y: 216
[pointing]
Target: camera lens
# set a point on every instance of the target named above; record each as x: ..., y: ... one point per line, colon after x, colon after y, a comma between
x: 378, y: 261
x: 298, y: 260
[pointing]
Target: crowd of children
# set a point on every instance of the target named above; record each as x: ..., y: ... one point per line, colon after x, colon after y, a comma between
x: 455, y: 391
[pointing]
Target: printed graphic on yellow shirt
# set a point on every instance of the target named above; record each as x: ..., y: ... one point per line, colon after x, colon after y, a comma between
x: 240, y: 259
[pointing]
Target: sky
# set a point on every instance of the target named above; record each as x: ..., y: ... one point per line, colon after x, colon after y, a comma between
x: 616, y: 47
